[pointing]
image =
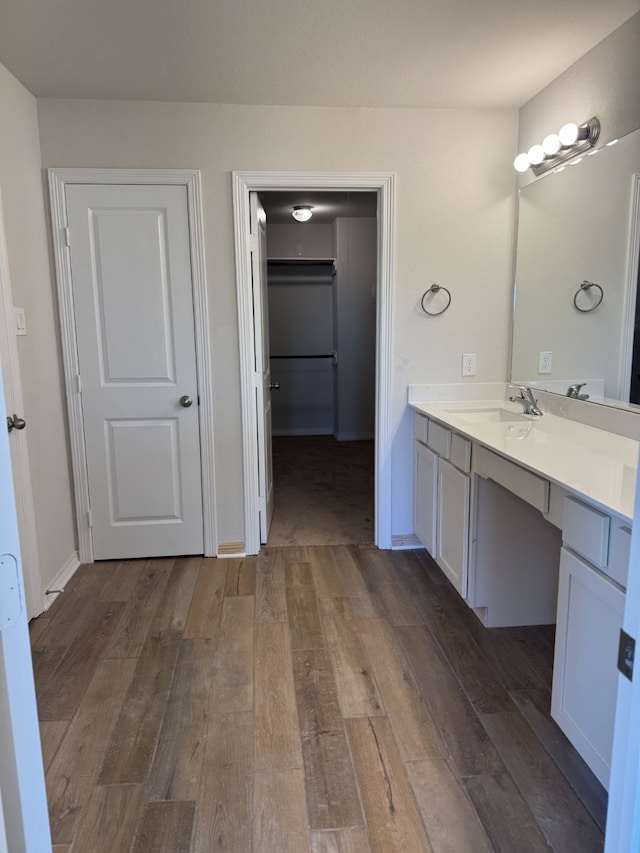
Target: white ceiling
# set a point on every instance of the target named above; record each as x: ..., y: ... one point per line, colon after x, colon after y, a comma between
x: 327, y: 205
x: 377, y: 53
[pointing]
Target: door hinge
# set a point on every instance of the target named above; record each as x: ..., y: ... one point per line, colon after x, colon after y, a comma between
x: 10, y: 594
x: 67, y: 236
x: 626, y: 654
x: 89, y: 519
x: 78, y: 383
x: 253, y: 242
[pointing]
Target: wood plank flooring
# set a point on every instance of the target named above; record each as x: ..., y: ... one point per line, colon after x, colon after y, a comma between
x: 329, y: 699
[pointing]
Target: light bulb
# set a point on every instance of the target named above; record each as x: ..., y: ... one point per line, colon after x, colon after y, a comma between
x: 302, y: 213
x: 568, y: 134
x: 551, y: 144
x: 521, y: 163
x: 536, y: 154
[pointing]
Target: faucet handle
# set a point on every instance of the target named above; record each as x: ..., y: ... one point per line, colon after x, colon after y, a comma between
x: 574, y: 389
x: 521, y: 388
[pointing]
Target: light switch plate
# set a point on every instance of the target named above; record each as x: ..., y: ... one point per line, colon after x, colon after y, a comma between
x: 21, y: 323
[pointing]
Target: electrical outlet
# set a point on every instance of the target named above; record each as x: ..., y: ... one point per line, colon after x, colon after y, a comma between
x: 545, y: 361
x: 468, y: 364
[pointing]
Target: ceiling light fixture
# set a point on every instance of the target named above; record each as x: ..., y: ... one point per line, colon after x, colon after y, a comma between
x: 570, y: 141
x: 302, y: 212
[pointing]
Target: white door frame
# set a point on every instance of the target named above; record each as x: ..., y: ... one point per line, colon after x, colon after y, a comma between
x: 35, y: 595
x: 630, y: 308
x: 189, y: 178
x: 382, y: 182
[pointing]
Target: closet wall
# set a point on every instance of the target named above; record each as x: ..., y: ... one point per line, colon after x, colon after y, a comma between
x: 318, y: 309
x: 355, y: 243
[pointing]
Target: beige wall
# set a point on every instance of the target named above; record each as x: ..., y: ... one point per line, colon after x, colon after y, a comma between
x: 27, y: 247
x: 454, y: 222
x: 603, y: 83
x: 301, y: 239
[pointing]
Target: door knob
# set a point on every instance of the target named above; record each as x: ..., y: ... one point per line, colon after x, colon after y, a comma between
x: 15, y: 423
x: 273, y: 386
x: 185, y: 401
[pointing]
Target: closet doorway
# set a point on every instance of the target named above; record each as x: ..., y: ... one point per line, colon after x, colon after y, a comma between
x: 321, y: 293
x: 336, y: 386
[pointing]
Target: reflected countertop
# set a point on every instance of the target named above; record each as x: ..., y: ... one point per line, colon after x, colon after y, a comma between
x: 598, y: 466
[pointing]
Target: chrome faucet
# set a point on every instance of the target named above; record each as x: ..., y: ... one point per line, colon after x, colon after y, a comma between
x: 526, y: 399
x: 574, y: 391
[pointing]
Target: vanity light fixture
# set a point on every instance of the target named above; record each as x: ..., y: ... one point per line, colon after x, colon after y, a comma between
x: 570, y: 141
x: 302, y: 212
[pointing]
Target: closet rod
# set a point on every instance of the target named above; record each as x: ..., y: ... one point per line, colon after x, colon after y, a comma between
x: 301, y: 262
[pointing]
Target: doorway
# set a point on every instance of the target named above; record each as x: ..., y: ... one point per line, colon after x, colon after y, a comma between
x: 382, y: 185
x: 321, y: 293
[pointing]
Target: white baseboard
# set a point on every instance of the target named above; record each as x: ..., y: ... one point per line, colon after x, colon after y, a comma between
x: 404, y: 541
x: 57, y: 585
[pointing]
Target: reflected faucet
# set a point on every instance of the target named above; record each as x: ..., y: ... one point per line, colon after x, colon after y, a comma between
x: 574, y: 391
x: 526, y: 399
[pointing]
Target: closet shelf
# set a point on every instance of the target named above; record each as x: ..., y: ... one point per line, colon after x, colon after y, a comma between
x: 322, y: 266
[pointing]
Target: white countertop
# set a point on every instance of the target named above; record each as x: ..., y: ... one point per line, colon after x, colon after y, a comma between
x: 593, y: 464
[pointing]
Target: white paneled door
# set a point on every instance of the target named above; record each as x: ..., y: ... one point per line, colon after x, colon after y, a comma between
x: 263, y: 362
x: 133, y: 306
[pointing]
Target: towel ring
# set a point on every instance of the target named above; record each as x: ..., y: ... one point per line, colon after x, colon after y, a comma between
x: 435, y: 288
x: 587, y: 285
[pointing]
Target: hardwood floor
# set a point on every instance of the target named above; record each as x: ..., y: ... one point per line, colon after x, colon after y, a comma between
x: 334, y: 699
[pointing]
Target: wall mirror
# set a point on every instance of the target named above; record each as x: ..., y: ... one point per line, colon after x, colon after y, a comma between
x: 577, y: 225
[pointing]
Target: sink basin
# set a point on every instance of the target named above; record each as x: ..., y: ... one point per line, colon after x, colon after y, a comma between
x: 491, y: 416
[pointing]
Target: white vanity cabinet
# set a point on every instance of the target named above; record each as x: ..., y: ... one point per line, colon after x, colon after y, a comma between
x: 589, y: 618
x: 425, y: 495
x: 452, y: 540
x: 442, y: 460
x: 531, y: 522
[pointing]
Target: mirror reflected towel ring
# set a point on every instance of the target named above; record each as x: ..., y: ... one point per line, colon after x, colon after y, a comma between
x: 584, y: 287
x: 435, y: 288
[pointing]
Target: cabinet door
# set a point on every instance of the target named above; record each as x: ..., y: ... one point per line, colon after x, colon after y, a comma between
x: 452, y: 537
x: 425, y: 486
x: 585, y: 675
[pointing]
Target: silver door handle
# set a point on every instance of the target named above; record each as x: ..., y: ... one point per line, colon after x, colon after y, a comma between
x: 185, y: 401
x: 273, y: 386
x: 15, y: 423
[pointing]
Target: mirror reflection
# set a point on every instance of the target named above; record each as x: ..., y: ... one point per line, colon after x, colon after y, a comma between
x: 576, y: 278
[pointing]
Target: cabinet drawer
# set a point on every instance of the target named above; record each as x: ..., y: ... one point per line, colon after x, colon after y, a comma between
x: 461, y: 452
x: 526, y: 485
x: 420, y: 427
x: 586, y: 531
x: 619, y: 550
x: 439, y: 439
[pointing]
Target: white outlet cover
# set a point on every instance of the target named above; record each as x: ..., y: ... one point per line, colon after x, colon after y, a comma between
x: 468, y: 364
x: 545, y: 362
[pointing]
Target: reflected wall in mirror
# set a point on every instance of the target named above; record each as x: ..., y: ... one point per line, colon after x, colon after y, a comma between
x: 579, y: 224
